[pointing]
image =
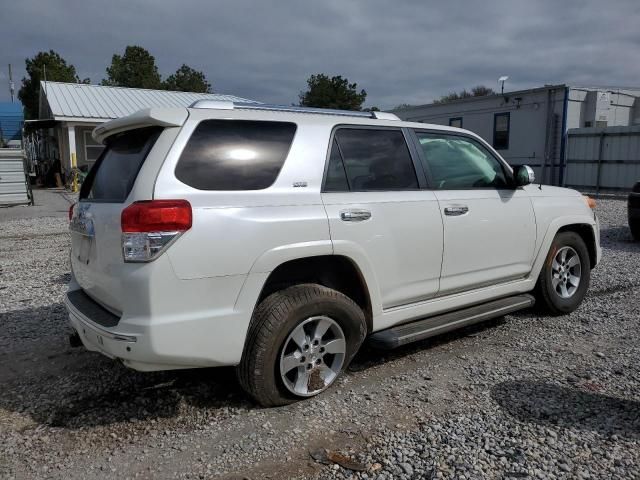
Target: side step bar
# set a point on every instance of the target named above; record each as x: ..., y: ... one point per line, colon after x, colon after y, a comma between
x: 428, y: 327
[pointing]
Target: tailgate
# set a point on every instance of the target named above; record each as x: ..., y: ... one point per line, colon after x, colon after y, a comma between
x: 96, y: 244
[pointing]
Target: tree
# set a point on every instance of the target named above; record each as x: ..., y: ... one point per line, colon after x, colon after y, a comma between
x: 332, y: 92
x: 57, y: 70
x: 479, y: 91
x: 186, y: 79
x: 136, y: 69
x: 402, y: 106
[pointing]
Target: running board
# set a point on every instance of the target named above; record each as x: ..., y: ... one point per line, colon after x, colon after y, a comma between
x: 428, y: 327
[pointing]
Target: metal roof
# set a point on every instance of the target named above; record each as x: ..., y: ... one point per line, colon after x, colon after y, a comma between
x: 480, y: 98
x: 80, y: 101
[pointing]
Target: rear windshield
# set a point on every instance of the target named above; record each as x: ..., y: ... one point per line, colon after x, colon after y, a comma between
x: 111, y: 178
x: 235, y: 154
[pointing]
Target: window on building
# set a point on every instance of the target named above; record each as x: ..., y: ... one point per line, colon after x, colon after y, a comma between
x: 371, y: 159
x: 601, y: 124
x: 501, y: 131
x: 456, y: 162
x: 588, y: 124
x: 92, y: 149
x: 235, y: 154
x: 455, y: 122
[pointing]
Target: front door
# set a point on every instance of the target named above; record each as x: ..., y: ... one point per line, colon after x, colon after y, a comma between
x: 489, y: 226
x: 379, y: 216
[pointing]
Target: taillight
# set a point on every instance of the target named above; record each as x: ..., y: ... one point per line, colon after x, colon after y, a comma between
x: 148, y: 227
x: 71, y: 211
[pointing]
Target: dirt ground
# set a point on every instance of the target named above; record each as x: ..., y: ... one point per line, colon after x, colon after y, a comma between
x: 67, y: 413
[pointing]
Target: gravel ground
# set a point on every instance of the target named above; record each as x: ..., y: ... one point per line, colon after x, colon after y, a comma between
x: 526, y: 396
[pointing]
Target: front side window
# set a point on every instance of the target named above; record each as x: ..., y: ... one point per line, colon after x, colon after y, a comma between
x: 235, y: 154
x: 457, y: 162
x: 501, y: 131
x: 372, y: 160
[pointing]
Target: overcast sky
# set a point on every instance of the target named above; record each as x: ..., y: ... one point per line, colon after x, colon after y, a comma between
x: 399, y: 51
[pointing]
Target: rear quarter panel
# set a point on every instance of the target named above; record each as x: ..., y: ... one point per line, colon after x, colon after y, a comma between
x: 241, y: 232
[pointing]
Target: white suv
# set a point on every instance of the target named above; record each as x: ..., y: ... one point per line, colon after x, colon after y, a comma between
x: 278, y: 239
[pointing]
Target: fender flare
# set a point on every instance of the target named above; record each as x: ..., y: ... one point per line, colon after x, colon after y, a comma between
x: 268, y: 261
x: 272, y: 259
x: 356, y: 254
x: 551, y: 232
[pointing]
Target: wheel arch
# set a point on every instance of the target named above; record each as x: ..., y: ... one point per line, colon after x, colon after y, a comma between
x: 585, y: 227
x: 338, y: 272
x: 585, y: 231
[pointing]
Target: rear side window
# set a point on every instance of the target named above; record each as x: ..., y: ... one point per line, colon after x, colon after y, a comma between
x: 371, y: 160
x: 235, y: 154
x: 336, y: 175
x: 114, y: 173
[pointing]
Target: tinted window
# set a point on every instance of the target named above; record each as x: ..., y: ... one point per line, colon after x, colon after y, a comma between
x: 375, y: 159
x: 235, y: 154
x: 112, y: 177
x: 501, y: 131
x: 455, y: 162
x: 336, y: 176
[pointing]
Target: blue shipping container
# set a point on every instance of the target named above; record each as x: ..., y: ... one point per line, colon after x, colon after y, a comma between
x: 11, y: 120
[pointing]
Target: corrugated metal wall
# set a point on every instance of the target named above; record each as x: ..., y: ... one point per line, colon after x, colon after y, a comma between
x: 603, y: 158
x: 14, y: 188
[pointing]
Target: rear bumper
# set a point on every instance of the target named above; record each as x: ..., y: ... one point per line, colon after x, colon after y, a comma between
x: 96, y: 338
x: 189, y: 335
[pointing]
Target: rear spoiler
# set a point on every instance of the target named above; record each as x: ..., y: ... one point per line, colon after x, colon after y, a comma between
x: 149, y: 117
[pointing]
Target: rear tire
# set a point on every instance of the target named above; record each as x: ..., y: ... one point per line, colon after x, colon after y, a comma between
x: 564, y: 279
x: 318, y: 327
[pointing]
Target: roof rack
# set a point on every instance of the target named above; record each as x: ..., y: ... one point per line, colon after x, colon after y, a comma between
x: 227, y: 105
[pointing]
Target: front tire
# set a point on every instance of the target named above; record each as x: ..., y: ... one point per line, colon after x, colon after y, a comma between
x: 299, y: 342
x: 565, y: 276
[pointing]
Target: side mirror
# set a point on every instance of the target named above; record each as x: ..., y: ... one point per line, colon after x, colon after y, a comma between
x: 524, y: 175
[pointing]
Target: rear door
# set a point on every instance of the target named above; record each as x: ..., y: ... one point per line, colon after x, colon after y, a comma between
x: 96, y: 244
x: 489, y: 226
x: 379, y: 214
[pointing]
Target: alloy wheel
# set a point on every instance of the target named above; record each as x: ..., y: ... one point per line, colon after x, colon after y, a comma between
x: 312, y: 356
x: 566, y: 271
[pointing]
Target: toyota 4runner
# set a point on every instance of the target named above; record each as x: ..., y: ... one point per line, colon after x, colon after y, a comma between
x: 278, y: 239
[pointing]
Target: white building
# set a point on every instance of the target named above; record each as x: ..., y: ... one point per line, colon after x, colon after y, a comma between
x: 530, y: 126
x: 72, y: 110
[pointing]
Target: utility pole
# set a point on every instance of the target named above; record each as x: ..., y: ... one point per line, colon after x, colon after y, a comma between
x: 12, y: 87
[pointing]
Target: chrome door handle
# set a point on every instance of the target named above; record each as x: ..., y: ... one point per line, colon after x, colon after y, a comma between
x: 355, y: 215
x: 456, y: 211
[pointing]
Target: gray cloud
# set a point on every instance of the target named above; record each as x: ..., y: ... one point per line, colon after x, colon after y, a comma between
x: 400, y: 52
